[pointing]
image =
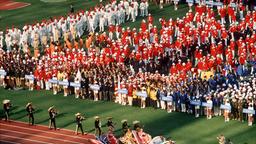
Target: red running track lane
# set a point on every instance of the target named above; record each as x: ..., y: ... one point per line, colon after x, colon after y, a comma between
x: 19, y: 132
x: 11, y: 5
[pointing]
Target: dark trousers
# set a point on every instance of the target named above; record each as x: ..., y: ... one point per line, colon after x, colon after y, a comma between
x: 6, y: 116
x: 79, y: 126
x: 153, y: 103
x: 135, y: 102
x: 52, y: 122
x: 98, y: 131
x: 31, y: 119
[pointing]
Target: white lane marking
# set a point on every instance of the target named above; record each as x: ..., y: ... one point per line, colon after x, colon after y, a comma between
x: 8, y: 136
x: 76, y: 137
x: 47, y: 127
x: 36, y: 135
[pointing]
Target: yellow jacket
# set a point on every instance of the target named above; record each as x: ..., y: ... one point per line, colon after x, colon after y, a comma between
x: 152, y: 94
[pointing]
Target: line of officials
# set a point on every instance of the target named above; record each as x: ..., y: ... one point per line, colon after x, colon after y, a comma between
x: 52, y: 119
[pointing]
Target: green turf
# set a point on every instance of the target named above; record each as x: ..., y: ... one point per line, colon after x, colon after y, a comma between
x: 39, y: 10
x: 183, y: 128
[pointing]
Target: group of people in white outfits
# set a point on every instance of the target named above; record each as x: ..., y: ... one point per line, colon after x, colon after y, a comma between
x: 74, y: 25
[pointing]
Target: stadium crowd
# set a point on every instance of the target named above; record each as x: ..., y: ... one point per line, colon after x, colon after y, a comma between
x: 194, y: 58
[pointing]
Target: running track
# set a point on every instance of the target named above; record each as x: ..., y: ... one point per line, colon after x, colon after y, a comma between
x: 21, y: 133
x: 11, y: 5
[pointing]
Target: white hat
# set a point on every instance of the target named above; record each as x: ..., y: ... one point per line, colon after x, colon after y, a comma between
x: 50, y: 108
x: 136, y: 122
x: 6, y: 101
x: 29, y: 104
x: 77, y: 114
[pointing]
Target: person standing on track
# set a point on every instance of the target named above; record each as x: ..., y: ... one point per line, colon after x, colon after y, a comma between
x: 30, y: 110
x: 97, y: 125
x: 79, y: 120
x: 110, y: 124
x: 6, y: 107
x: 52, y: 113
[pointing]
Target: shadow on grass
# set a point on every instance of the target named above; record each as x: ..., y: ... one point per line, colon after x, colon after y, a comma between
x: 67, y: 124
x: 168, y: 123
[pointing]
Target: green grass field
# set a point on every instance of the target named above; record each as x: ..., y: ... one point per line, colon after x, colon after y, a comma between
x: 39, y: 10
x: 183, y: 128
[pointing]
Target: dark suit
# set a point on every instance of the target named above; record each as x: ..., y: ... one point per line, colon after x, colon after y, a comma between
x: 30, y: 114
x: 6, y: 108
x: 79, y: 124
x: 97, y: 126
x: 52, y: 115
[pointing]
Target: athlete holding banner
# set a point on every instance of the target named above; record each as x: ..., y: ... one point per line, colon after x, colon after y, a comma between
x: 197, y: 107
x: 65, y: 87
x: 250, y: 115
x: 77, y: 89
x: 227, y: 111
x: 123, y: 95
x: 2, y: 75
x: 54, y: 85
x: 31, y: 83
x: 209, y: 109
x: 143, y: 98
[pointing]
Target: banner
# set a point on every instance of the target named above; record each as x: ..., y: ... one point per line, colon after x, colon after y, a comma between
x: 123, y: 91
x: 225, y: 107
x: 190, y: 1
x: 95, y: 87
x: 53, y: 81
x: 248, y: 111
x: 141, y: 94
x: 73, y: 84
x: 196, y: 103
x: 233, y: 5
x: 63, y: 83
x: 29, y: 77
x: 162, y: 95
x: 167, y: 98
x: 205, y: 104
x: 218, y: 4
x: 2, y: 73
x: 197, y: 1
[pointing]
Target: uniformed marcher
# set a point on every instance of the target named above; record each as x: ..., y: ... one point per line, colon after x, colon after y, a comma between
x: 30, y: 110
x: 136, y: 125
x: 250, y: 116
x: 79, y: 120
x: 97, y: 125
x: 110, y: 124
x: 125, y: 126
x: 6, y: 107
x: 52, y: 113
